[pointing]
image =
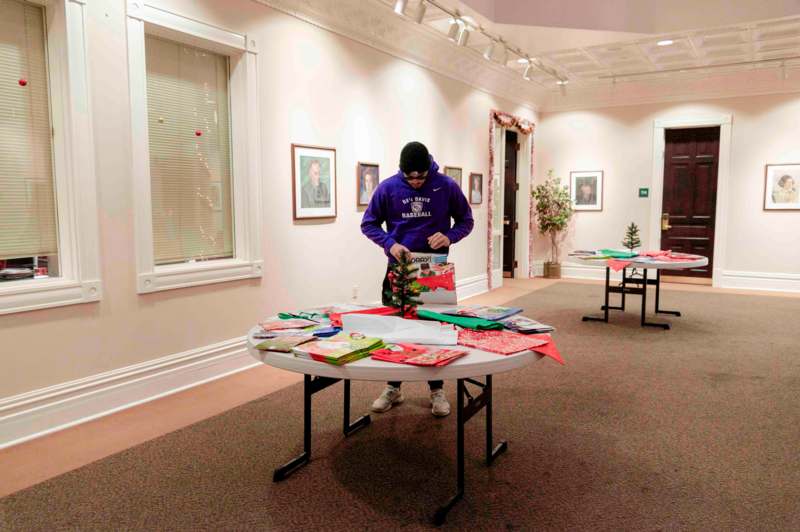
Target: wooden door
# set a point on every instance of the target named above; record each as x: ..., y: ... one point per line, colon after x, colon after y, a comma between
x: 690, y: 194
x: 510, y: 203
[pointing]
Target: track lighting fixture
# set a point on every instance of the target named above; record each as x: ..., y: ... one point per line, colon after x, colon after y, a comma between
x: 400, y: 7
x: 458, y: 32
x: 527, y: 73
x: 489, y: 53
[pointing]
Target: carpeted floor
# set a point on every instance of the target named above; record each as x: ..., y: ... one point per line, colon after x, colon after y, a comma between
x: 693, y: 428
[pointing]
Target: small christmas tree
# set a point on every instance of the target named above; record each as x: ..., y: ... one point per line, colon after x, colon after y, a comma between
x: 632, y: 237
x: 404, y: 288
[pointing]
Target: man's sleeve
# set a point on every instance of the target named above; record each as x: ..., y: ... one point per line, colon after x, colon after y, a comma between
x: 374, y: 216
x: 461, y: 213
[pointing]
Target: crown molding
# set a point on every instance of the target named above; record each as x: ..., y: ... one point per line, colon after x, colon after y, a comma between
x: 674, y: 90
x: 374, y: 23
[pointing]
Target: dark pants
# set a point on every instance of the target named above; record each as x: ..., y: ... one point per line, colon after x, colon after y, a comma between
x: 434, y: 385
x: 387, y: 288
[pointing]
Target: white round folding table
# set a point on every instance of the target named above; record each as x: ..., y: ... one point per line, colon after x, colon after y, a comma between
x: 638, y: 286
x: 466, y: 370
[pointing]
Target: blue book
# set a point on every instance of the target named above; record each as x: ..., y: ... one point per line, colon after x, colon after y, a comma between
x: 485, y: 312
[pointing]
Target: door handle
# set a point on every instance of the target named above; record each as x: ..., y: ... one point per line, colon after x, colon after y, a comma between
x: 665, y: 222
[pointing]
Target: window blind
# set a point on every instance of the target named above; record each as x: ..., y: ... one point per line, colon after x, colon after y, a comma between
x: 190, y: 152
x: 27, y: 201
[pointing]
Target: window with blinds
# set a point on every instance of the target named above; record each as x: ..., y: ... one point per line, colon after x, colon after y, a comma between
x: 190, y: 152
x: 27, y: 197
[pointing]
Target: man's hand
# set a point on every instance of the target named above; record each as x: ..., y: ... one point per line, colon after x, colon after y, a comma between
x: 438, y: 240
x: 398, y: 250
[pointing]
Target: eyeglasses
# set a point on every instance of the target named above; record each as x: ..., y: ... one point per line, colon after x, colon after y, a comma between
x: 415, y: 176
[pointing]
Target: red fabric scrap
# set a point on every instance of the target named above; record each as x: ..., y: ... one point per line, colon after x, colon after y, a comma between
x: 446, y: 281
x: 617, y: 265
x: 336, y: 317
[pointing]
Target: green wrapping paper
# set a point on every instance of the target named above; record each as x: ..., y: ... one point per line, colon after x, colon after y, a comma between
x: 467, y: 322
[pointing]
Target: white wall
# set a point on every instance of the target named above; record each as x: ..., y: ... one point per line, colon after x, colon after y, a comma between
x: 316, y: 88
x: 619, y: 141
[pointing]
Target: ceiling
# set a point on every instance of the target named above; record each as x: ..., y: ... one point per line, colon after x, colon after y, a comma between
x: 595, y: 44
x: 633, y: 16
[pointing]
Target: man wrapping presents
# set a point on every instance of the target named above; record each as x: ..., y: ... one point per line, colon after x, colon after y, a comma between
x: 417, y: 205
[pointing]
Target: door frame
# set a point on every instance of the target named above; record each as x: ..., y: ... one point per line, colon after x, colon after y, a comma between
x: 522, y: 237
x: 725, y: 122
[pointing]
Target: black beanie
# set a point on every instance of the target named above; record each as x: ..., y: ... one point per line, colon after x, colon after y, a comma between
x: 414, y: 158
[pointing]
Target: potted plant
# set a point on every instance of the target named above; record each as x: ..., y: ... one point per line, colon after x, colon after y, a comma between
x: 553, y: 212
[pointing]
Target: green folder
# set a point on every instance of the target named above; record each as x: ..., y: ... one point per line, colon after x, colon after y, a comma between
x: 462, y: 321
x: 615, y: 254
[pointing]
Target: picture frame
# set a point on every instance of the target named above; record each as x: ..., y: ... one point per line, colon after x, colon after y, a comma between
x: 309, y: 164
x: 455, y: 172
x: 475, y: 188
x: 367, y: 179
x: 586, y: 190
x: 782, y: 187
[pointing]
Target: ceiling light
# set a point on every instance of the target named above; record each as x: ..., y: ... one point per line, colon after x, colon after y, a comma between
x: 420, y: 15
x: 523, y: 60
x: 562, y: 82
x: 665, y: 42
x: 400, y: 7
x: 527, y: 73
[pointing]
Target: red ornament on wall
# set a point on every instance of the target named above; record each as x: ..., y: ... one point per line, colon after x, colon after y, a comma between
x: 197, y: 132
x: 23, y: 82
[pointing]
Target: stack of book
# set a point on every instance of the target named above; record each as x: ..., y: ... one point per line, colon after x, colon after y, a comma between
x: 339, y: 349
x: 484, y: 312
x: 283, y: 343
x: 524, y: 325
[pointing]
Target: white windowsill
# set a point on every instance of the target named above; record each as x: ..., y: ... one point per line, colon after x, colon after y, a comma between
x: 197, y: 273
x: 34, y: 294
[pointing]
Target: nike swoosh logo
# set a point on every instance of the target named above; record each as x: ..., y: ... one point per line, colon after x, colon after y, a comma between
x: 437, y: 189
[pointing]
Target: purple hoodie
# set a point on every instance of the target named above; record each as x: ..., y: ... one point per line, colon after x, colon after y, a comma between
x: 412, y: 215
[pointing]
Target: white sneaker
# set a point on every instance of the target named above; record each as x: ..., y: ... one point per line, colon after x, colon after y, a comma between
x: 439, y: 405
x: 391, y: 396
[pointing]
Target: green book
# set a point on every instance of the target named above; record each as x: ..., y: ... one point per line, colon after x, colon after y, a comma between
x: 339, y: 349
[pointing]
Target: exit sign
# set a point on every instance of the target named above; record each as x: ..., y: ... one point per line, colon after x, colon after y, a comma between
x: 644, y: 192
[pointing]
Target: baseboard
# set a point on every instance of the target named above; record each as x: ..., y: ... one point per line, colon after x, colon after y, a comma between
x: 578, y: 271
x: 34, y: 414
x: 472, y: 286
x: 773, y: 282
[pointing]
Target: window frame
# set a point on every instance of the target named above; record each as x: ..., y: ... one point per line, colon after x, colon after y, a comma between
x: 75, y: 184
x: 142, y: 19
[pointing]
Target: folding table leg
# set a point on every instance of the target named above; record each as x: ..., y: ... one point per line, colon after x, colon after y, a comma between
x: 605, y: 306
x: 347, y: 427
x: 646, y: 323
x: 658, y: 295
x: 312, y: 385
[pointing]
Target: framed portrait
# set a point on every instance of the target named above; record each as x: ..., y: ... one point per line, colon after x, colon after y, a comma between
x: 586, y: 190
x: 367, y: 179
x: 454, y: 172
x: 313, y: 182
x: 782, y: 187
x: 475, y: 188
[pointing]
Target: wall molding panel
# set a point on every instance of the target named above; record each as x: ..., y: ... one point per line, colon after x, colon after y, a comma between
x: 40, y: 412
x: 472, y: 286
